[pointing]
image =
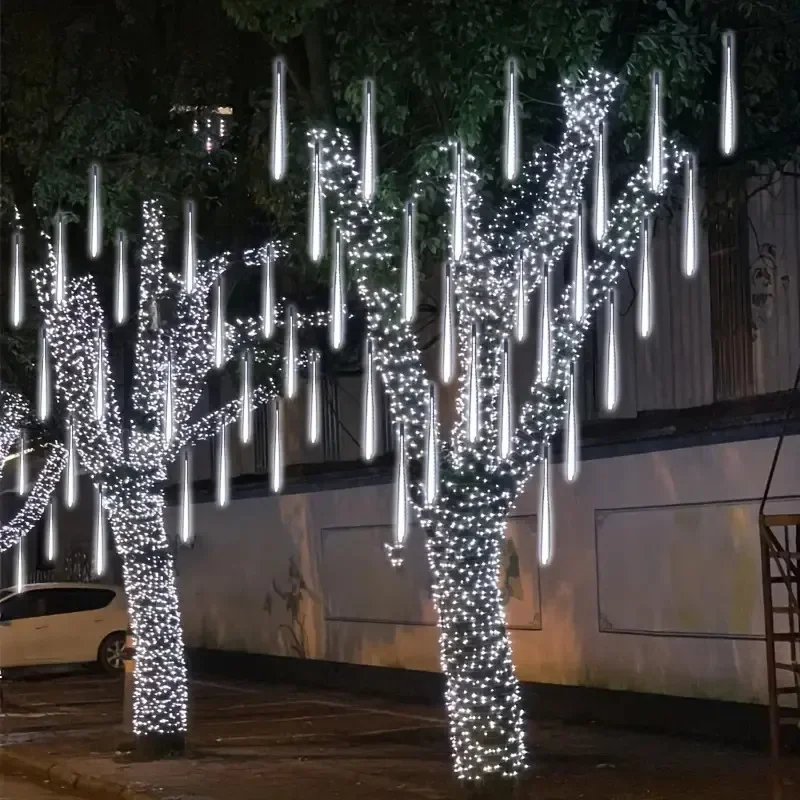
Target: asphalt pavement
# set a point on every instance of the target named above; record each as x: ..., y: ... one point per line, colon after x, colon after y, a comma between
x: 18, y: 788
x: 255, y: 740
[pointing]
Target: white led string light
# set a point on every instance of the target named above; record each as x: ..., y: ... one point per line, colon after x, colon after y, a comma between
x: 14, y: 414
x: 129, y: 459
x: 476, y: 490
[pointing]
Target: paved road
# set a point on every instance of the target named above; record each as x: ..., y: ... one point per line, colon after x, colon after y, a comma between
x: 13, y: 788
x: 251, y: 741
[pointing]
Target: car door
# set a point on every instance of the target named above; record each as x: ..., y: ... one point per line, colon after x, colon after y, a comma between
x: 24, y: 629
x: 79, y: 622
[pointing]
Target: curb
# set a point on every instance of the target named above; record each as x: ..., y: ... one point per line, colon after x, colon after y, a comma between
x: 47, y: 770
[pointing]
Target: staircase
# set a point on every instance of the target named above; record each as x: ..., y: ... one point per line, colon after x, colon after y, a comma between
x: 780, y: 572
x: 780, y: 578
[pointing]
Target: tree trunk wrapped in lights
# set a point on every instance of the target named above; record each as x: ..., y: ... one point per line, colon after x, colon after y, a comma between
x: 14, y: 415
x: 128, y: 458
x: 525, y: 241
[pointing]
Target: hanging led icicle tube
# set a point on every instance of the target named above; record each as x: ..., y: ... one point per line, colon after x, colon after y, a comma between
x: 611, y: 393
x: 100, y: 563
x: 61, y: 257
x: 600, y: 208
x: 505, y: 435
x: 94, y: 245
x: 545, y: 512
x: 185, y: 531
x: 280, y: 127
x: 290, y: 380
x: 728, y: 127
x: 246, y: 397
x: 169, y: 401
x: 401, y: 499
x: 100, y: 378
x: 43, y: 389
x: 223, y: 483
x: 21, y: 571
x: 408, y: 279
x: 369, y: 148
x: 656, y: 132
x: 459, y: 222
x: 22, y: 464
x: 448, y: 337
x: 511, y: 125
x: 189, y: 246
x: 644, y: 316
x: 316, y: 221
x: 268, y: 292
x: 369, y: 415
x: 572, y: 429
x: 520, y: 300
x: 314, y: 404
x: 431, y: 456
x: 338, y: 313
x: 579, y: 293
x: 276, y: 461
x: 545, y: 328
x: 50, y: 533
x: 473, y: 386
x: 16, y: 295
x: 121, y: 278
x: 690, y: 247
x: 218, y: 334
x: 71, y: 472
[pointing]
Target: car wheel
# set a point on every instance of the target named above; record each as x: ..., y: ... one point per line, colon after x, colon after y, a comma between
x: 110, y: 655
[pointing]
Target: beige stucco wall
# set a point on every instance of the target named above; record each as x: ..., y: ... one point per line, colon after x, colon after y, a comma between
x: 655, y: 585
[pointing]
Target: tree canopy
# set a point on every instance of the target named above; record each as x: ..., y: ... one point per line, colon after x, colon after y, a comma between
x: 107, y: 81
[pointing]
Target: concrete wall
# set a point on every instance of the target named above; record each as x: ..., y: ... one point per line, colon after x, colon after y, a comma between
x: 655, y: 585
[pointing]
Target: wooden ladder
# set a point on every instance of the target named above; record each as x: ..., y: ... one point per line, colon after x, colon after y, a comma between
x: 780, y: 574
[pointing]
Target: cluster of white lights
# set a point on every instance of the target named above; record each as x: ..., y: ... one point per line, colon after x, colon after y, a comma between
x: 14, y: 416
x: 178, y: 342
x: 465, y: 492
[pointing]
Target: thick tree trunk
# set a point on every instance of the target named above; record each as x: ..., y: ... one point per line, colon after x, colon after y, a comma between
x: 160, y: 693
x: 483, y: 698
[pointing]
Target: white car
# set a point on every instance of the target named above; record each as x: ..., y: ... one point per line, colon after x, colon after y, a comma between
x: 63, y: 623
